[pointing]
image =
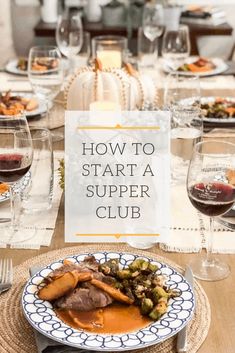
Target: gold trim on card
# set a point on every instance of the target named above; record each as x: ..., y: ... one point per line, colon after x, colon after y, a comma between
x: 118, y: 127
x: 117, y: 235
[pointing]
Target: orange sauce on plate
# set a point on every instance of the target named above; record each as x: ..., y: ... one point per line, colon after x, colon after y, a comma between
x: 113, y: 319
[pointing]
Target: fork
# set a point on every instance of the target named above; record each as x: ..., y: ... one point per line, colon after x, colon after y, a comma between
x: 6, y: 274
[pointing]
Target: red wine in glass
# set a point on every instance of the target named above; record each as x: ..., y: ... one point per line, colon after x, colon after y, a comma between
x: 13, y: 167
x: 212, y: 199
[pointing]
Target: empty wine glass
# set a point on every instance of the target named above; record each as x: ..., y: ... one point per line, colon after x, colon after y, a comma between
x: 153, y: 19
x: 69, y: 35
x: 16, y: 153
x: 211, y: 194
x: 176, y: 47
x: 45, y: 72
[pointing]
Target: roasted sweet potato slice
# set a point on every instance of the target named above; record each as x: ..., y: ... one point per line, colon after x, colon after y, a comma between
x: 113, y: 292
x: 60, y: 286
x: 230, y: 174
x: 32, y: 104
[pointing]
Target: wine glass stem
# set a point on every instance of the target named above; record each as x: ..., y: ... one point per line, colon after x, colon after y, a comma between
x: 210, y: 242
x: 15, y: 209
x: 48, y: 113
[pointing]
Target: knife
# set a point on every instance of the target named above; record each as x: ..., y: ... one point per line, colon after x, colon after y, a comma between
x: 181, y: 345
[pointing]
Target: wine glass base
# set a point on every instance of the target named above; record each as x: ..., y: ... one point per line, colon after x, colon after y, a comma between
x: 11, y: 237
x: 213, y: 270
x: 57, y: 136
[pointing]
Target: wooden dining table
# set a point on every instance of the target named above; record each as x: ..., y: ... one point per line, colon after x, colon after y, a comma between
x: 221, y: 336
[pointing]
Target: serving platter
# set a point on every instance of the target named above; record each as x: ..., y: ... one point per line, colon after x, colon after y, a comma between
x: 17, y: 187
x: 43, y: 318
x: 221, y: 67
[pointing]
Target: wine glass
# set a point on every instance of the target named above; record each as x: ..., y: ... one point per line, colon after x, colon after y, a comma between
x: 45, y: 72
x: 210, y: 193
x: 176, y: 47
x: 182, y: 99
x: 16, y: 153
x: 69, y: 35
x: 153, y: 19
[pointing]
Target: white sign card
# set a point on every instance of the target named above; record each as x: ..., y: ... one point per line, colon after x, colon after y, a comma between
x: 117, y: 176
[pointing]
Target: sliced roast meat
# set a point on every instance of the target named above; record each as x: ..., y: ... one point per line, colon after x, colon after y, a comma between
x: 84, y: 299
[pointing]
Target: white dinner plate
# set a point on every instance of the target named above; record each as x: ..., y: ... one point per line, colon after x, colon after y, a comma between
x: 41, y: 109
x: 221, y: 67
x: 205, y: 100
x: 20, y: 186
x: 12, y: 68
x: 43, y: 318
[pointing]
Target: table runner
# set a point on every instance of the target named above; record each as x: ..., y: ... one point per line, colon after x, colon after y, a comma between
x: 38, y: 228
x: 16, y: 336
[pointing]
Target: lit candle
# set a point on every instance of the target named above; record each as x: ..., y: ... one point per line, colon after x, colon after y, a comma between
x: 105, y: 106
x: 110, y: 58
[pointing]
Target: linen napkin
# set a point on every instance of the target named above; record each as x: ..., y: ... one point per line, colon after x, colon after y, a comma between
x: 46, y: 345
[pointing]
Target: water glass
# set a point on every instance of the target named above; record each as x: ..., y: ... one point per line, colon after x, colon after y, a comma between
x: 182, y: 99
x: 69, y: 34
x: 176, y: 47
x: 82, y: 58
x: 147, y: 50
x: 37, y: 196
x: 45, y: 72
x: 153, y: 18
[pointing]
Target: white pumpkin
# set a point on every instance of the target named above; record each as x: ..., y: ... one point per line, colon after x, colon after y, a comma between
x: 142, y: 87
x: 99, y: 85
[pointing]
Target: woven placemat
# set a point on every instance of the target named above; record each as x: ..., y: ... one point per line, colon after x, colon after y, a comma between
x: 16, y: 335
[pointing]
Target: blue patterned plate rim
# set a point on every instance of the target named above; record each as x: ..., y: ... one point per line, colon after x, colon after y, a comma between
x: 42, y: 317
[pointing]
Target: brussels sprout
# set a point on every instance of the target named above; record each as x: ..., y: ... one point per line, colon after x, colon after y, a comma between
x: 138, y: 264
x: 110, y: 267
x: 124, y: 274
x: 146, y: 306
x: 152, y: 267
x: 159, y: 292
x: 159, y: 309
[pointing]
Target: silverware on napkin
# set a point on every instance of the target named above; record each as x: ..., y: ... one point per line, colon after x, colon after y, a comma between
x: 46, y: 345
x: 181, y: 345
